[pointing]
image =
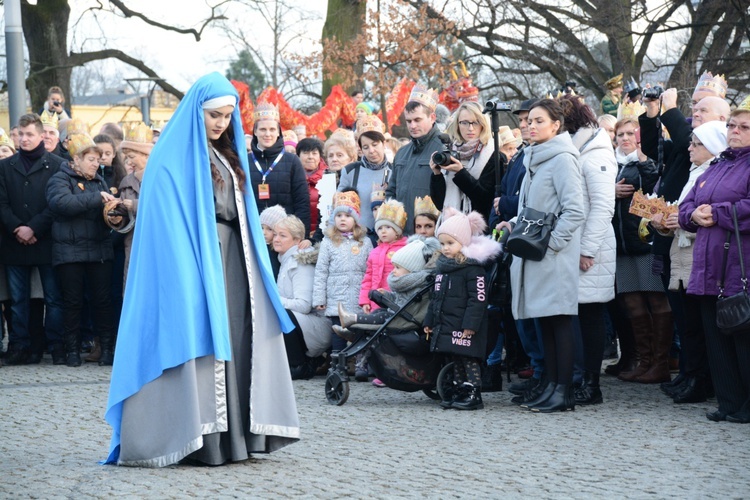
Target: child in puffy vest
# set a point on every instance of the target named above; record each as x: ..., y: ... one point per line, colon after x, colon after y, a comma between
x: 342, y: 261
x: 456, y: 321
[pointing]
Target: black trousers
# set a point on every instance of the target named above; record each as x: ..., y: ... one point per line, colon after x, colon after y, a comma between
x: 693, y: 341
x: 294, y: 342
x: 729, y: 359
x: 95, y: 278
x: 593, y: 334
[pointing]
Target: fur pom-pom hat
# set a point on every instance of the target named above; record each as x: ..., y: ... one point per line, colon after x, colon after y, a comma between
x: 271, y: 215
x: 461, y: 227
x: 417, y: 252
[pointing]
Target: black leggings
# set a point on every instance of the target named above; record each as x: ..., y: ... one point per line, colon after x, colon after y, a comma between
x: 466, y: 369
x: 557, y: 336
x: 294, y: 342
x: 593, y: 335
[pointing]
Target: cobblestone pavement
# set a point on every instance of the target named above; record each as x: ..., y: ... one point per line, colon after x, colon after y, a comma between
x: 384, y: 444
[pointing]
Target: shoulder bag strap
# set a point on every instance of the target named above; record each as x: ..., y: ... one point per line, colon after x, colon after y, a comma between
x: 724, y: 264
x: 739, y: 246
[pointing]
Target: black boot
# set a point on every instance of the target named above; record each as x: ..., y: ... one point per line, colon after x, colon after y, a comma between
x: 531, y: 394
x: 492, y: 378
x: 669, y: 388
x: 73, y: 359
x: 471, y: 399
x: 17, y: 356
x: 72, y: 350
x: 693, y: 391
x: 589, y: 393
x: 107, y: 346
x: 543, y: 396
x: 519, y: 388
x: 455, y: 395
x: 561, y: 400
x: 58, y: 354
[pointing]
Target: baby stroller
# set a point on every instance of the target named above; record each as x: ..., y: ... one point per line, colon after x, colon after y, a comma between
x: 399, y: 352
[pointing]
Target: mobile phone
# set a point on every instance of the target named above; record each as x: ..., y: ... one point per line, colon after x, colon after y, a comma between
x: 638, y: 135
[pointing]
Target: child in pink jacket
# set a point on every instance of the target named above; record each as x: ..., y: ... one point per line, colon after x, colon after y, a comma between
x: 389, y: 224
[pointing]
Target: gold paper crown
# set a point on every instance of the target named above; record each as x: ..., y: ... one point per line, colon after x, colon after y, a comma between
x: 78, y: 143
x: 347, y: 199
x: 614, y: 82
x: 647, y: 206
x: 392, y: 211
x: 377, y: 193
x: 710, y: 83
x: 6, y: 141
x: 424, y: 96
x: 745, y: 105
x: 423, y: 206
x: 265, y: 111
x: 49, y: 119
x: 137, y: 132
x: 77, y: 126
x: 369, y: 123
x: 630, y: 110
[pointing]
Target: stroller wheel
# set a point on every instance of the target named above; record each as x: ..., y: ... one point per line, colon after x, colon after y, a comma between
x: 432, y: 394
x: 337, y: 390
x: 444, y: 383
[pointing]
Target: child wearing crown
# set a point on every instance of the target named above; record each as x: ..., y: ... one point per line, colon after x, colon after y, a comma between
x: 342, y: 260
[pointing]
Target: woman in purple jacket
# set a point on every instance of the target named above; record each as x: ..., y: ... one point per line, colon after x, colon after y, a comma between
x: 707, y: 211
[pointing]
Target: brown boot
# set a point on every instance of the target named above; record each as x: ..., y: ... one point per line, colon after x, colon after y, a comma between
x: 642, y: 334
x: 96, y: 352
x: 662, y: 341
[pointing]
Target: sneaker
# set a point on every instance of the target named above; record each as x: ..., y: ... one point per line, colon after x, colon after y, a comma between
x: 378, y: 383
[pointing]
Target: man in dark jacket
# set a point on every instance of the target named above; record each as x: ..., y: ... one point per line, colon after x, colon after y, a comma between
x: 411, y: 166
x: 26, y: 222
x: 276, y: 177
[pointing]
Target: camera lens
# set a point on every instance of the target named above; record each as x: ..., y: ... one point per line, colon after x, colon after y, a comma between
x: 441, y: 158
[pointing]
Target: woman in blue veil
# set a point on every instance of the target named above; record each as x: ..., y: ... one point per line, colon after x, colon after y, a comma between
x: 200, y: 369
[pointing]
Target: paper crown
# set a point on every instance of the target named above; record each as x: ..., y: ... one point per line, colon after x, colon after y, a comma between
x: 265, y: 111
x: 630, y: 110
x: 49, y: 119
x: 78, y: 143
x: 391, y: 211
x: 377, y: 195
x: 137, y: 132
x: 6, y: 141
x: 348, y: 199
x: 614, y: 82
x: 710, y: 83
x: 745, y: 104
x: 631, y: 86
x: 647, y: 206
x: 424, y: 96
x: 425, y: 206
x: 370, y: 123
x: 77, y: 126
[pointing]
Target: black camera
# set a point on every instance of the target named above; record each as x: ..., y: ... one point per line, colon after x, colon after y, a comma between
x: 56, y: 103
x: 496, y: 105
x: 443, y: 158
x: 654, y: 92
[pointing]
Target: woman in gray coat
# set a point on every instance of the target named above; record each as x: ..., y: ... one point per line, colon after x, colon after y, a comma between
x: 548, y: 289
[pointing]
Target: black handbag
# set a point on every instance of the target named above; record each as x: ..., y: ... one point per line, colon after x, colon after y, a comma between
x: 733, y: 313
x: 530, y: 236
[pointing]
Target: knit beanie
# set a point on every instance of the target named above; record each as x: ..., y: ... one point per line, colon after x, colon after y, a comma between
x: 271, y: 215
x: 461, y: 227
x: 365, y: 107
x: 416, y: 253
x: 713, y: 135
x: 391, y: 213
x: 347, y: 202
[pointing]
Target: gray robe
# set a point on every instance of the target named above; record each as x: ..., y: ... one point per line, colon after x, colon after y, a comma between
x: 552, y: 184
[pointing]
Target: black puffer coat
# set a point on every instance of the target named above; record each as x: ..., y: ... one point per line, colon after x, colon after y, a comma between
x: 641, y: 175
x: 79, y: 233
x: 459, y: 302
x: 287, y: 182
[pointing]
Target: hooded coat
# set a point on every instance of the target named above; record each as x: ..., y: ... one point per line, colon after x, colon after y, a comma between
x: 379, y: 266
x: 598, y: 172
x: 553, y: 185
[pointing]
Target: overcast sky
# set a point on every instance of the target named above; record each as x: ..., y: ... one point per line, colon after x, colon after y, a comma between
x: 176, y: 57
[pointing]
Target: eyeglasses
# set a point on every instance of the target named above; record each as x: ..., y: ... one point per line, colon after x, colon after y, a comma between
x: 732, y: 126
x: 466, y: 124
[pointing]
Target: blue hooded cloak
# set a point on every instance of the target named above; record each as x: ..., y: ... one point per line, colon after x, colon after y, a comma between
x: 174, y: 308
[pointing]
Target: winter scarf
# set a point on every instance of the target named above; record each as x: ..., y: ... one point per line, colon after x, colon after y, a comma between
x: 372, y: 166
x: 28, y: 158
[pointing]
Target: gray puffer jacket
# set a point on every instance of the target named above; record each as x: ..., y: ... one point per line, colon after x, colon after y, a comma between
x: 338, y: 274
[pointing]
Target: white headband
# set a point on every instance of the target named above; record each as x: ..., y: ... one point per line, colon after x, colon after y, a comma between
x: 220, y: 102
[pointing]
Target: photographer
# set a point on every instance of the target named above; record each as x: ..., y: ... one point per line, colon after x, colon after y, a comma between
x: 55, y: 103
x: 467, y: 181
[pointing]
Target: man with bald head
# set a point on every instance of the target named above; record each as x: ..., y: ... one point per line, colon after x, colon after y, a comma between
x: 708, y: 104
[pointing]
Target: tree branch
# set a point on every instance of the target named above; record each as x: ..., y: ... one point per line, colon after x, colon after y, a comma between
x: 127, y: 12
x: 81, y: 58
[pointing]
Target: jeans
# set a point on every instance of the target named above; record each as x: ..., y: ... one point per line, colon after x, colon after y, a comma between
x: 530, y: 334
x: 495, y: 317
x: 19, y: 285
x: 75, y: 278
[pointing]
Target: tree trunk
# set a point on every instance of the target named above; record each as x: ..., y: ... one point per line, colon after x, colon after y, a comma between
x: 345, y: 20
x: 45, y: 28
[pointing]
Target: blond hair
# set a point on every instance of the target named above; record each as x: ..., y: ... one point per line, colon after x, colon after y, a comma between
x: 294, y: 225
x: 340, y: 140
x: 473, y: 108
x: 333, y: 233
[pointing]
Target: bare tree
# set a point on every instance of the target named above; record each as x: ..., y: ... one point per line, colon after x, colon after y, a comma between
x: 45, y: 27
x: 522, y: 39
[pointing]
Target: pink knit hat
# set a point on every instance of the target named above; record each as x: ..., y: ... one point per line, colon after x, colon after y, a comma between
x: 461, y: 227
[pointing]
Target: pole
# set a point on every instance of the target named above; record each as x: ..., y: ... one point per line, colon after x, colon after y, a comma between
x: 146, y: 109
x: 14, y: 60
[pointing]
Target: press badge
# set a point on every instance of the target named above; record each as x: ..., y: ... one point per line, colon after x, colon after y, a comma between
x: 264, y: 192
